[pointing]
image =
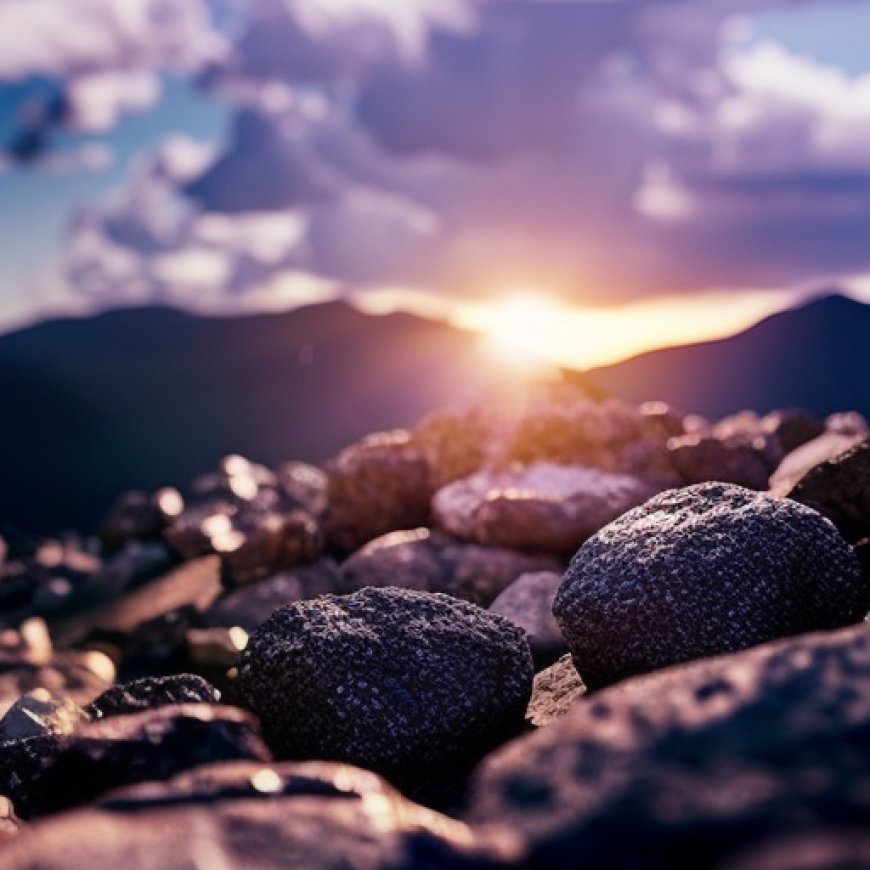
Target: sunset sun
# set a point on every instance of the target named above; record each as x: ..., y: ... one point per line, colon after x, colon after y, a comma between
x: 521, y: 328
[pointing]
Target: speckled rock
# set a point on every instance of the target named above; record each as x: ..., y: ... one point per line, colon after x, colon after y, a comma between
x: 555, y: 691
x: 431, y: 561
x: 379, y: 485
x: 699, y: 571
x: 408, y: 684
x: 258, y: 521
x: 543, y: 506
x: 528, y: 603
x: 840, y: 490
x: 46, y: 774
x: 251, y: 605
x: 240, y: 815
x: 687, y: 767
x: 149, y: 693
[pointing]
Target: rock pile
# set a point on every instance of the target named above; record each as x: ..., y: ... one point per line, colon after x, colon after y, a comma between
x: 506, y: 614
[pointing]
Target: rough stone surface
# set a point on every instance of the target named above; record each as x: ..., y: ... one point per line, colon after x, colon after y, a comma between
x: 404, y: 683
x: 431, y: 561
x: 554, y: 692
x: 379, y: 485
x: 707, y: 569
x: 840, y: 490
x: 687, y: 767
x: 528, y: 603
x: 258, y: 521
x: 46, y: 774
x: 149, y: 693
x: 251, y: 605
x: 240, y: 815
x: 545, y: 507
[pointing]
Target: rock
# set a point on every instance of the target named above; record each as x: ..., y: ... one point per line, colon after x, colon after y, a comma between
x: 687, y: 767
x: 240, y: 815
x: 528, y: 603
x: 410, y: 685
x: 47, y: 774
x: 77, y: 676
x: 798, y: 463
x: 251, y: 605
x: 849, y: 423
x: 542, y: 507
x: 258, y: 521
x: 554, y: 692
x: 135, y: 563
x: 454, y: 444
x: 699, y: 571
x: 840, y: 490
x: 33, y: 716
x: 702, y: 456
x: 150, y: 693
x: 138, y: 516
x: 793, y: 427
x: 430, y: 561
x: 379, y: 485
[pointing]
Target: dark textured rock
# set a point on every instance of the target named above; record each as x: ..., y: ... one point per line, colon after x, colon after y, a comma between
x: 240, y: 815
x: 687, y: 767
x: 699, y: 571
x: 430, y: 561
x: 826, y: 447
x: 546, y: 507
x: 701, y: 456
x: 793, y: 427
x: 258, y: 521
x: 840, y: 490
x: 379, y: 485
x: 50, y: 773
x: 554, y: 692
x: 528, y: 603
x: 149, y: 693
x: 140, y: 516
x: 408, y: 684
x: 251, y: 605
x: 135, y: 563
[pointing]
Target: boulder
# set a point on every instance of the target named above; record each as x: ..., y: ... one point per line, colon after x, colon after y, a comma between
x: 379, y: 485
x: 241, y: 815
x: 411, y: 685
x: 430, y: 561
x: 840, y: 490
x: 46, y: 774
x: 528, y: 603
x: 149, y: 693
x: 553, y: 508
x: 703, y: 570
x: 691, y: 766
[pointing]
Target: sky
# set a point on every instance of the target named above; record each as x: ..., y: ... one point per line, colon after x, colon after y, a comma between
x: 612, y: 175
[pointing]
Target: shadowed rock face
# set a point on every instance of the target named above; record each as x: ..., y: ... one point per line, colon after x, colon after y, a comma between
x: 50, y: 773
x: 699, y: 571
x: 407, y: 684
x: 688, y: 766
x: 840, y: 489
x: 242, y: 815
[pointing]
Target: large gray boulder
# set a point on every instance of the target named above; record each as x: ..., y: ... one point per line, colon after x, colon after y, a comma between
x: 703, y: 570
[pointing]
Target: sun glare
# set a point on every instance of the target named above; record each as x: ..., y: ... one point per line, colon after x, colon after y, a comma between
x: 521, y: 329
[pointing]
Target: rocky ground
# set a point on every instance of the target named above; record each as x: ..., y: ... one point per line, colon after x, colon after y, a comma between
x: 568, y: 633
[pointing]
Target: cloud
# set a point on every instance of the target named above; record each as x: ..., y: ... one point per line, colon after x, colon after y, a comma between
x: 599, y: 151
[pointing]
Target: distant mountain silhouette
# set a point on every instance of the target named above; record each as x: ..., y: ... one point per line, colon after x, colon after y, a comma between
x: 141, y: 398
x: 816, y: 356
